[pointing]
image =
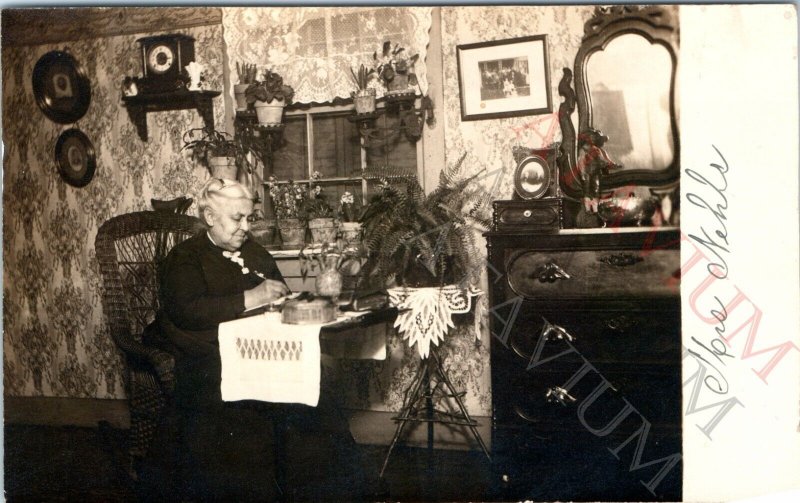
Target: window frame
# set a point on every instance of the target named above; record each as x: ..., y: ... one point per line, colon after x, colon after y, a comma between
x: 329, y: 109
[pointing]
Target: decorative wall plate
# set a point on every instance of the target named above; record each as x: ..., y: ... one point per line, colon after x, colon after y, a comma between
x: 75, y: 158
x: 532, y: 177
x: 61, y: 87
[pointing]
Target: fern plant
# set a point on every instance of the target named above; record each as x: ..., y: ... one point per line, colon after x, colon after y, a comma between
x: 414, y: 239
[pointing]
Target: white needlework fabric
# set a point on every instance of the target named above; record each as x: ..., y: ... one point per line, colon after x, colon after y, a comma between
x: 313, y: 48
x: 429, y: 314
x: 263, y: 359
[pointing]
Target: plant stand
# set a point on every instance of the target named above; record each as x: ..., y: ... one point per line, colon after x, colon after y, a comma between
x: 431, y: 382
x: 425, y: 319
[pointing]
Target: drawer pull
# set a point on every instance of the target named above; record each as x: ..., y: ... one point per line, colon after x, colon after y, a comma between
x: 560, y: 395
x: 620, y: 259
x: 552, y: 331
x: 527, y: 213
x: 621, y: 323
x: 550, y: 273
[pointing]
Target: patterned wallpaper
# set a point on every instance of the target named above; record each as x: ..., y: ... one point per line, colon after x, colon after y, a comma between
x: 488, y: 143
x: 55, y: 341
x: 50, y: 273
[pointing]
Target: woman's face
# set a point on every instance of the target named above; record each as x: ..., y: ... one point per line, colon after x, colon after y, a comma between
x: 228, y: 221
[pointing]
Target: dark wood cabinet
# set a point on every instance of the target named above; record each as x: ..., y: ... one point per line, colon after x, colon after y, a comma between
x: 585, y: 356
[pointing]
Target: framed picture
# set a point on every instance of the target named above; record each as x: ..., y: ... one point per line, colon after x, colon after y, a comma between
x: 61, y: 87
x: 532, y: 177
x: 75, y: 158
x: 504, y: 78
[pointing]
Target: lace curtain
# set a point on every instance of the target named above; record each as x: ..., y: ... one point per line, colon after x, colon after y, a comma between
x: 313, y: 48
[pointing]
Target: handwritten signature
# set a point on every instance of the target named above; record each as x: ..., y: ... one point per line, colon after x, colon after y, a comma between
x: 718, y: 269
x: 717, y: 244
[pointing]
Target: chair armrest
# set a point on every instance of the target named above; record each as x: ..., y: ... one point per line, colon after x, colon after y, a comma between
x: 161, y: 361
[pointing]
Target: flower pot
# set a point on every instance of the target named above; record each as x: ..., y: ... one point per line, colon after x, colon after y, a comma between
x: 398, y: 84
x: 263, y: 232
x: 269, y: 113
x: 222, y: 167
x: 293, y: 233
x: 238, y: 94
x: 364, y: 100
x: 323, y: 230
x: 351, y: 231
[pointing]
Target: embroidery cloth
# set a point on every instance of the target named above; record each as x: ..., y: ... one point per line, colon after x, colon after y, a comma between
x: 264, y: 359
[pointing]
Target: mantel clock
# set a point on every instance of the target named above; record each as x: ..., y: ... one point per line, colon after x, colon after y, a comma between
x: 164, y: 58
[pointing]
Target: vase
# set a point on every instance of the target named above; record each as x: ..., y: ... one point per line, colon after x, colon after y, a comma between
x: 351, y: 231
x: 364, y: 100
x: 398, y: 84
x: 222, y: 167
x: 269, y: 113
x: 329, y: 283
x: 293, y: 233
x: 323, y: 230
x: 263, y: 232
x: 241, y: 99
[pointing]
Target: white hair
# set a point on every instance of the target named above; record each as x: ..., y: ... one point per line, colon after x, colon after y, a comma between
x: 217, y: 189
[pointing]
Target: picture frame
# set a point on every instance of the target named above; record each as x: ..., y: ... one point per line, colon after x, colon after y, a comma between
x: 61, y: 88
x: 75, y: 158
x: 532, y: 177
x: 504, y: 78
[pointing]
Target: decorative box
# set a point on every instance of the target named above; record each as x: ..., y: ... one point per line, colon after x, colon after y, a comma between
x: 534, y: 215
x: 306, y: 312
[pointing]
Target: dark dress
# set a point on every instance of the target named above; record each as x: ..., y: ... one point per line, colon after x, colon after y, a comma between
x: 227, y: 448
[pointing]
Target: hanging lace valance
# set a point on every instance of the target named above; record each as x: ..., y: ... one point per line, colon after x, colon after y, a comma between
x: 313, y: 48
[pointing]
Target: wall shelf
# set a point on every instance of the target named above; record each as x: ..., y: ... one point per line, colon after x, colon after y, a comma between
x: 138, y: 106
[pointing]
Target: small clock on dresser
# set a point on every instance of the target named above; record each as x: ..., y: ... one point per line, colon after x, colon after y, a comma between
x: 164, y: 58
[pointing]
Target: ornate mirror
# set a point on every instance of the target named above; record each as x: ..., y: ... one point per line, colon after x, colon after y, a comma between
x: 625, y: 91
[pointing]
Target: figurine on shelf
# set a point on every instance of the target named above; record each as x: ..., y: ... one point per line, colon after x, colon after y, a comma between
x: 196, y: 76
x: 593, y: 163
x: 129, y: 87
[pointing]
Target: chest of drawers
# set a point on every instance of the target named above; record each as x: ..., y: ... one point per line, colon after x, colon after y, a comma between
x: 585, y: 357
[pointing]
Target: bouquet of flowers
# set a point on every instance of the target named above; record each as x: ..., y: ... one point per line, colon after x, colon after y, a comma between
x: 288, y: 199
x: 315, y: 205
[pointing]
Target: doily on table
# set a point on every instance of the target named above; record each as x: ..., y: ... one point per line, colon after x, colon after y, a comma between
x: 430, y: 312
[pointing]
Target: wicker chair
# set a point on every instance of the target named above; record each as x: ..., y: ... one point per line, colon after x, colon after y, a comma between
x: 130, y: 249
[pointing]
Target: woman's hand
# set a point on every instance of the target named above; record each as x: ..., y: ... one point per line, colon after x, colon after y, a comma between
x: 266, y: 292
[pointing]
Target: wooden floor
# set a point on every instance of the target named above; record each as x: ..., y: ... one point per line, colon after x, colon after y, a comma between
x: 48, y: 463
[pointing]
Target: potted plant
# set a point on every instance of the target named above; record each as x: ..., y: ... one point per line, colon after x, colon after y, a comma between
x: 394, y: 68
x: 269, y: 97
x: 217, y: 150
x: 349, y: 213
x: 247, y: 76
x: 262, y: 229
x: 319, y: 213
x: 363, y: 96
x: 287, y: 201
x: 415, y: 240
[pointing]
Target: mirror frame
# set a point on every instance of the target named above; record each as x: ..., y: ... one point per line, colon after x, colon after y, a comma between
x: 657, y: 24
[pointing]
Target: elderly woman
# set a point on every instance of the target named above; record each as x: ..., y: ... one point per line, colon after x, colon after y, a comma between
x: 208, y: 279
x: 226, y: 448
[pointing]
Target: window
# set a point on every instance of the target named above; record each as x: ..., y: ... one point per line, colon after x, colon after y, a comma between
x: 322, y: 139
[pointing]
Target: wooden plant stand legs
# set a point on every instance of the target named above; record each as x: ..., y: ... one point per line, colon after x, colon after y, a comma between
x: 418, y: 405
